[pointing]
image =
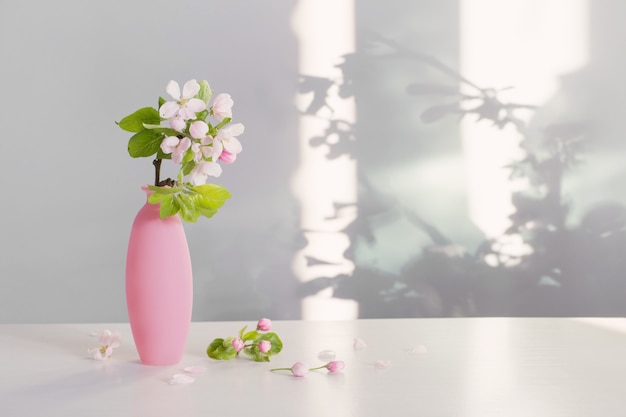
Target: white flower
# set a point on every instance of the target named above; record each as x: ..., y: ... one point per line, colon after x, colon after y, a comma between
x: 208, y: 147
x: 177, y: 147
x: 227, y: 138
x: 199, y: 174
x: 185, y: 106
x: 222, y: 106
x: 108, y: 341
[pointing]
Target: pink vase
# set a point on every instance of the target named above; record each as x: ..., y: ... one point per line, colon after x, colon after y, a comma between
x: 159, y: 286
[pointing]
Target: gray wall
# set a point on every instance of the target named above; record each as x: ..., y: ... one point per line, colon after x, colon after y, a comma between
x: 69, y: 70
x: 70, y: 191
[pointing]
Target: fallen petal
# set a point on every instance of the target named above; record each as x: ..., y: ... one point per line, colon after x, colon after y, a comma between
x: 178, y: 379
x: 418, y: 350
x: 326, y: 355
x: 359, y: 344
x: 383, y: 363
x: 195, y: 369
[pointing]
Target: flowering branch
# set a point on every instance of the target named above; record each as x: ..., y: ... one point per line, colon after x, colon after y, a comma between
x: 190, y: 140
x: 259, y: 344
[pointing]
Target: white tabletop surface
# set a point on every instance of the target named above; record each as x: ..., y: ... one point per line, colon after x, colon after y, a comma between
x: 504, y: 367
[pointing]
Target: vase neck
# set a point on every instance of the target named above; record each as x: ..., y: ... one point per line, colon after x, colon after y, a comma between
x: 147, y: 190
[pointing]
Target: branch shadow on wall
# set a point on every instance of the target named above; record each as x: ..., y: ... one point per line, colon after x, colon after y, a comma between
x: 545, y: 264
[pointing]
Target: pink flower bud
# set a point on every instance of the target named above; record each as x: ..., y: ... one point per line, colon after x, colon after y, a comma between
x: 237, y: 344
x: 299, y: 369
x: 335, y: 366
x: 264, y: 346
x: 228, y: 157
x: 177, y: 123
x: 264, y: 325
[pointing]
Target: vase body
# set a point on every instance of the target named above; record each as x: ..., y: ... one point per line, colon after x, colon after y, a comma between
x: 159, y: 286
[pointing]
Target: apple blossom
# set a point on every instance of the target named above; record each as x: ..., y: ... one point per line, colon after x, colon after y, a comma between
x: 222, y: 106
x: 207, y: 147
x: 227, y: 137
x: 238, y: 344
x: 199, y: 139
x: 177, y: 123
x: 335, y: 366
x: 185, y: 105
x: 228, y: 157
x: 264, y: 346
x: 299, y: 369
x: 198, y: 129
x: 264, y: 325
x: 175, y: 146
x: 199, y: 174
x: 108, y: 341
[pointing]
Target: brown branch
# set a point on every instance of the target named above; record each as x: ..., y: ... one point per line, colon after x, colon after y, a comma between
x: 157, y: 175
x: 157, y: 171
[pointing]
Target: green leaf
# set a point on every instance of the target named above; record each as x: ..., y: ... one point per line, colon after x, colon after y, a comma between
x: 162, y: 101
x: 158, y: 198
x: 216, y: 350
x: 145, y: 143
x: 206, y: 212
x: 161, y: 155
x: 187, y: 208
x: 187, y: 167
x: 242, y: 331
x: 251, y: 335
x: 188, y: 156
x: 214, y: 195
x: 256, y: 354
x: 169, y: 207
x: 205, y: 92
x: 134, y: 122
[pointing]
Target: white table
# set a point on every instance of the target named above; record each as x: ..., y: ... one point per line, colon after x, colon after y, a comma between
x: 504, y: 367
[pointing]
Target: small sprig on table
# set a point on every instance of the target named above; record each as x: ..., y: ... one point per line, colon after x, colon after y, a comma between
x: 260, y: 344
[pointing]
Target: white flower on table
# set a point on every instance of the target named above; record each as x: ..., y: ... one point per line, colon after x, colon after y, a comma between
x: 108, y: 341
